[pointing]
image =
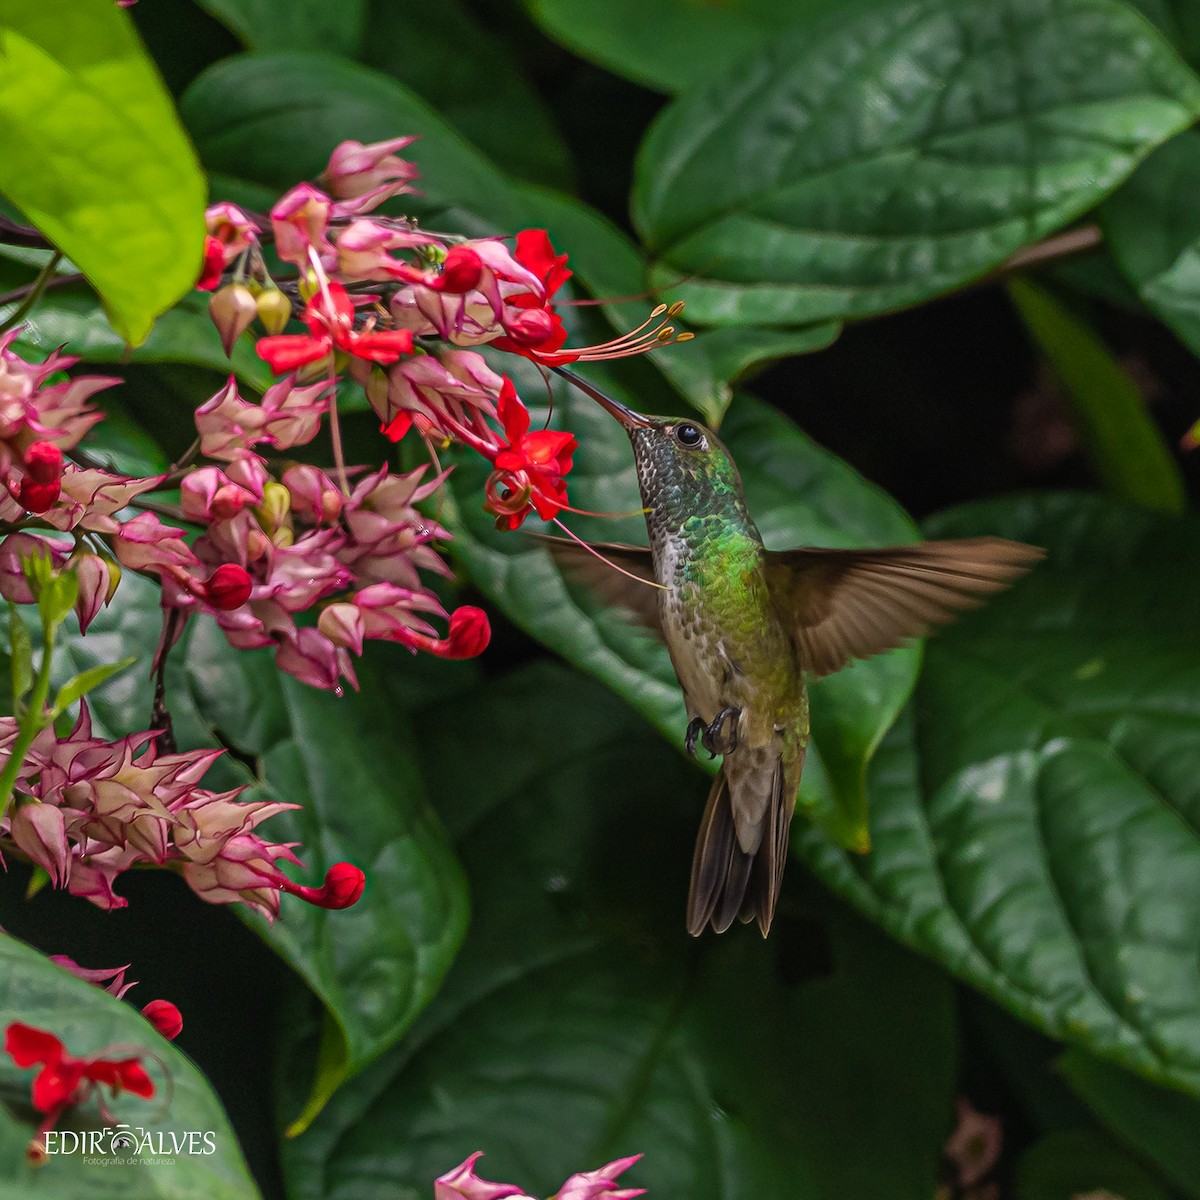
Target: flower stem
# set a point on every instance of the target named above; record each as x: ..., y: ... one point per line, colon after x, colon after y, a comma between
x: 33, y: 721
x: 35, y: 292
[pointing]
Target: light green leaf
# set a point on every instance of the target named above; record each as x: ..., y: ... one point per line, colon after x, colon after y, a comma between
x: 95, y: 157
x: 902, y: 153
x: 21, y: 650
x: 79, y: 685
x: 1122, y: 441
x: 87, y: 1019
x: 1035, y: 813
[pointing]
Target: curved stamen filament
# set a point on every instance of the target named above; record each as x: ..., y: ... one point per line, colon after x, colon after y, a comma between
x: 606, y: 561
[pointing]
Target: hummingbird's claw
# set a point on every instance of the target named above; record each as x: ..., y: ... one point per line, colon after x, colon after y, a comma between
x: 694, y: 729
x: 714, y: 738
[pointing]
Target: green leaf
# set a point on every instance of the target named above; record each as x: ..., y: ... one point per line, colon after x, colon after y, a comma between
x: 72, y: 317
x: 899, y: 154
x: 351, y: 763
x: 1179, y: 20
x: 1152, y: 227
x: 56, y: 597
x: 1159, y: 1123
x: 670, y: 44
x: 799, y: 495
x: 1079, y: 1164
x: 272, y: 119
x: 1123, y: 443
x: 437, y: 50
x: 95, y: 156
x: 612, y: 268
x: 293, y: 24
x: 581, y: 1023
x: 21, y: 650
x: 88, y: 1020
x: 1035, y: 814
x: 79, y: 685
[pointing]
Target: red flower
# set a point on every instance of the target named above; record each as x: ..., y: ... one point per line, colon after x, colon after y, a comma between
x: 537, y: 330
x: 214, y: 265
x: 64, y: 1080
x: 331, y: 327
x: 530, y: 468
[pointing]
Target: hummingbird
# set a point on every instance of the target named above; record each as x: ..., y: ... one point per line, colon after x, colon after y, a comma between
x: 746, y: 627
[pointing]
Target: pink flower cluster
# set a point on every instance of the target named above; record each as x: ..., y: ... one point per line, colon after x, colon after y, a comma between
x: 601, y: 1184
x: 86, y: 810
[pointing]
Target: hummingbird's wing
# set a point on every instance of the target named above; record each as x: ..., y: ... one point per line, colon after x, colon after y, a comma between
x: 635, y: 591
x: 846, y: 604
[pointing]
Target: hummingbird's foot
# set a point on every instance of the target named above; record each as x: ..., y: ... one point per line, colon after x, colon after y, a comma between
x: 694, y: 730
x: 714, y: 738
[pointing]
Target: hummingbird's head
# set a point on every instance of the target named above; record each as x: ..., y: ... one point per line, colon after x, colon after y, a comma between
x: 683, y: 468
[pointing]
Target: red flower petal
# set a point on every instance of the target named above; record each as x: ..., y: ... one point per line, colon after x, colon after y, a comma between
x: 285, y: 352
x: 27, y: 1045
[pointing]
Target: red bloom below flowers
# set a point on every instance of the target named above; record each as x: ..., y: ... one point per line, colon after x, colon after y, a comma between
x: 331, y: 327
x: 64, y: 1080
x: 530, y: 468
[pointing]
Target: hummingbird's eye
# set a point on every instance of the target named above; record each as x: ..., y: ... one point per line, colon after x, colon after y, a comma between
x: 688, y: 435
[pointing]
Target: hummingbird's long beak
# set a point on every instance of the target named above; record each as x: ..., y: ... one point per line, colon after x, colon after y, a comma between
x: 626, y: 417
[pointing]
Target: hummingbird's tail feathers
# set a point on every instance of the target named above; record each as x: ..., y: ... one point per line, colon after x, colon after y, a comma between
x: 727, y: 881
x: 847, y: 604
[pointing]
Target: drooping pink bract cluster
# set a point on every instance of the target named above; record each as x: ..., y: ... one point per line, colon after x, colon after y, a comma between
x: 601, y: 1184
x: 86, y: 810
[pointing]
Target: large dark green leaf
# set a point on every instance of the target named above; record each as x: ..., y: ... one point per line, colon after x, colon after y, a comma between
x: 1153, y: 228
x: 1036, y: 812
x: 800, y: 496
x: 352, y: 764
x: 1159, y: 1123
x: 580, y: 1022
x: 900, y: 154
x: 1078, y: 1164
x: 472, y: 77
x: 671, y: 44
x: 293, y: 24
x: 95, y: 157
x: 87, y: 1019
x: 271, y: 120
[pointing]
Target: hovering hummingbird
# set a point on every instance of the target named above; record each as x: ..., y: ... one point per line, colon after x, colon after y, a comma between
x: 745, y: 625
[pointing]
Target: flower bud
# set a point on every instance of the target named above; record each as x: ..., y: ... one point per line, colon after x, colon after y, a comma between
x: 228, y: 587
x: 232, y: 310
x: 461, y: 271
x: 275, y: 508
x: 342, y: 624
x: 530, y: 327
x: 43, y: 462
x: 344, y: 883
x: 165, y: 1017
x: 38, y: 497
x: 469, y: 634
x: 228, y: 500
x: 274, y: 310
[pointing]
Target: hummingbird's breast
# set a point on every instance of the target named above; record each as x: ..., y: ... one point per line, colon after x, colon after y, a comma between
x: 725, y: 639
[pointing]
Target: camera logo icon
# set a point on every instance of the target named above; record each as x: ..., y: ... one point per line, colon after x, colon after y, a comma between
x: 121, y: 1139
